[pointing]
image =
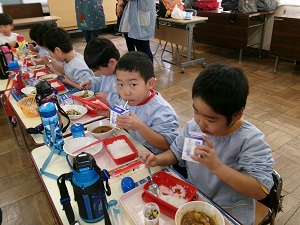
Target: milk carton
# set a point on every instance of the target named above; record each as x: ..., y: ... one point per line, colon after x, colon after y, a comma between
x: 115, y: 112
x: 190, y: 143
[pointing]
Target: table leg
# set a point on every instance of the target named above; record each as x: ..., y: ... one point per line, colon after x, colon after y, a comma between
x: 276, y: 64
x: 12, y: 126
x: 189, y: 53
x: 240, y: 55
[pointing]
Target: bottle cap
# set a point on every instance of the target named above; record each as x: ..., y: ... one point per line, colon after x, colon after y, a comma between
x: 20, y: 38
x: 13, y: 65
x: 113, y: 202
x: 116, y: 210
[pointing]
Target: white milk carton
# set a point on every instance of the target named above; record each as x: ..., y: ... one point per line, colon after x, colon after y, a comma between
x: 115, y: 112
x: 190, y: 143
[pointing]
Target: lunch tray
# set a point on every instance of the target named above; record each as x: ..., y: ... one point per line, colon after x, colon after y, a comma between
x: 103, y: 106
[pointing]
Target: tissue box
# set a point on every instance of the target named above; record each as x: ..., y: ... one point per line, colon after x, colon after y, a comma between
x: 115, y: 112
x: 190, y: 143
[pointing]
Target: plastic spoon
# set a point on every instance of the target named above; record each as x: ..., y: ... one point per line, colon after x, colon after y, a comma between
x: 153, y: 187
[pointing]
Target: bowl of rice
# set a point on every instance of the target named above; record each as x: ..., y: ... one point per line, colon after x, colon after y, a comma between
x: 174, y: 192
x: 101, y: 129
x: 198, y: 212
x: 74, y: 111
x: 120, y: 149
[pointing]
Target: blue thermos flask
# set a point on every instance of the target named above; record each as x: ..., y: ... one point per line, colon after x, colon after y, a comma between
x: 52, y: 132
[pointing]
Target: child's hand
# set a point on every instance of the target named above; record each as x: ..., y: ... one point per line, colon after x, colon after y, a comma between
x: 31, y: 48
x: 128, y: 122
x: 102, y: 95
x: 206, y: 154
x: 48, y: 60
x: 148, y: 158
x: 86, y: 85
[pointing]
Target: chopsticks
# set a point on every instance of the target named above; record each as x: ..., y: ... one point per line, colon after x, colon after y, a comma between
x: 89, y: 145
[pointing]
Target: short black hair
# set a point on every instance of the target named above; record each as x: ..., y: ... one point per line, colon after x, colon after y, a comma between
x: 5, y: 19
x: 33, y: 31
x: 137, y: 61
x: 99, y: 51
x: 57, y: 37
x: 37, y: 32
x: 223, y: 88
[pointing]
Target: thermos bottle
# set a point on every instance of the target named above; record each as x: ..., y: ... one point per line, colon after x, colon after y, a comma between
x: 51, y: 125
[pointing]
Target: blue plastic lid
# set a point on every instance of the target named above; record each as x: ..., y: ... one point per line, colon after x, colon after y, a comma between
x: 13, y: 65
x: 47, y: 110
x: 77, y: 127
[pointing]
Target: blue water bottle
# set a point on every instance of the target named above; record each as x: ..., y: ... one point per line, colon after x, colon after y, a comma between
x: 52, y: 132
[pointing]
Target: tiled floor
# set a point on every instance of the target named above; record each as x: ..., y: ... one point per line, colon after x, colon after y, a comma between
x: 273, y: 106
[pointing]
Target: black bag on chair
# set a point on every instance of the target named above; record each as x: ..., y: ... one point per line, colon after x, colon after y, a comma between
x: 5, y: 57
x: 229, y: 5
x: 266, y: 5
x: 247, y: 6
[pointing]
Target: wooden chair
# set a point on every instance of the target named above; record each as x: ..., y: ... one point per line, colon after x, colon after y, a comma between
x: 267, y: 208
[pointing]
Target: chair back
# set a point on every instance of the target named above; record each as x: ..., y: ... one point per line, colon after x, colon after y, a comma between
x: 274, y: 199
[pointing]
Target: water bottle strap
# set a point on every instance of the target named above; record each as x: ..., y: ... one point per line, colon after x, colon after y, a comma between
x: 64, y: 196
x: 53, y: 150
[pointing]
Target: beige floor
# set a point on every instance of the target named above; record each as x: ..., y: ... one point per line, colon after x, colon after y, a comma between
x: 273, y: 106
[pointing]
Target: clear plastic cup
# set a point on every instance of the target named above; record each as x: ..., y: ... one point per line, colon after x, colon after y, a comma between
x: 151, y: 214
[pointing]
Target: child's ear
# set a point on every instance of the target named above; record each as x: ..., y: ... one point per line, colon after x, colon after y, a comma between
x: 113, y: 62
x: 239, y: 114
x: 151, y: 82
x: 57, y: 50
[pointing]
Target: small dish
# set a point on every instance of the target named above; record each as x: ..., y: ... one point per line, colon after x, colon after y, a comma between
x: 100, y: 123
x: 29, y: 91
x: 85, y: 94
x: 48, y: 77
x: 76, y: 143
x: 76, y: 109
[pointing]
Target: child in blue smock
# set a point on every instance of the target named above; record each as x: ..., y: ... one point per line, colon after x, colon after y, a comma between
x: 152, y: 120
x: 74, y: 69
x: 234, y: 165
x: 102, y: 56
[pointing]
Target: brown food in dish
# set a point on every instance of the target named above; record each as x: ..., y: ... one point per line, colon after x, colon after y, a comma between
x: 196, y: 218
x: 102, y: 129
x: 85, y: 95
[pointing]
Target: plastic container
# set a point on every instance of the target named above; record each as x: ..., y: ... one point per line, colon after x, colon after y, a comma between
x: 164, y: 179
x: 77, y: 130
x: 40, y: 72
x: 123, y: 159
x: 29, y: 107
x: 59, y: 86
x: 115, y: 213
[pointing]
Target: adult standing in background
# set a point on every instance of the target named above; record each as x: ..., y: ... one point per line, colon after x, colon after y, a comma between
x: 138, y: 22
x: 90, y: 17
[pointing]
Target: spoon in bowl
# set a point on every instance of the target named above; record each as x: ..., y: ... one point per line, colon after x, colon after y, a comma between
x: 153, y: 187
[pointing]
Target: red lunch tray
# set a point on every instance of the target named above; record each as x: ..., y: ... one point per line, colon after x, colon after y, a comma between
x: 61, y: 86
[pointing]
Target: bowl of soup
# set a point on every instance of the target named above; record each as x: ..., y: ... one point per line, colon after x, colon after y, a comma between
x: 101, y: 129
x: 198, y: 212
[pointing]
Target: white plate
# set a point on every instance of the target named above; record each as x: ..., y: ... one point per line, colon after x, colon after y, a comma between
x: 29, y: 91
x: 77, y: 143
x: 48, y: 77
